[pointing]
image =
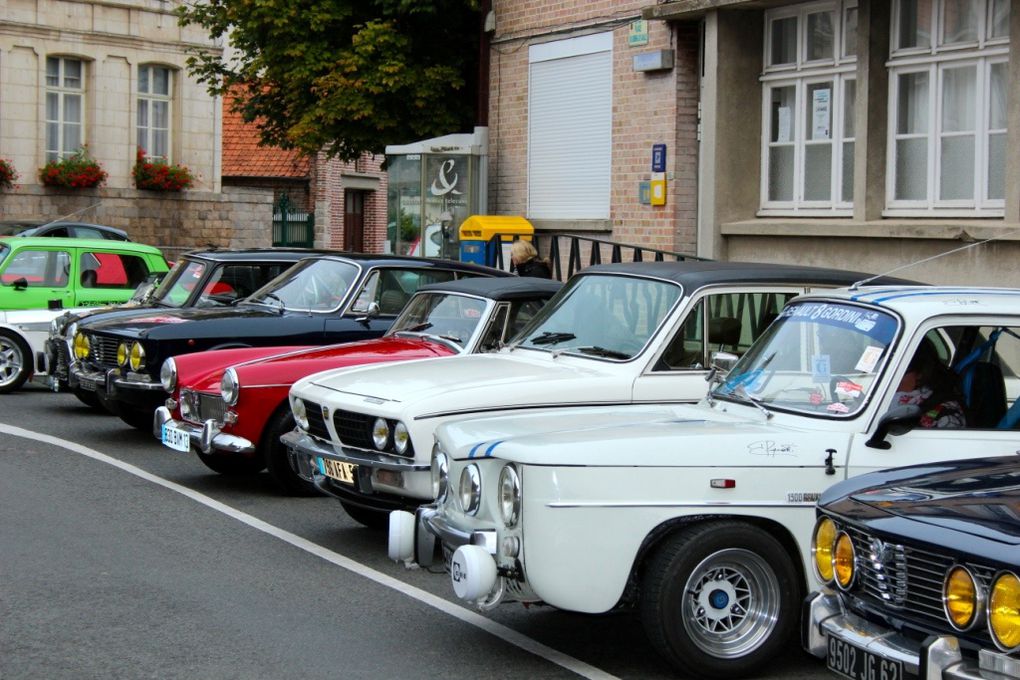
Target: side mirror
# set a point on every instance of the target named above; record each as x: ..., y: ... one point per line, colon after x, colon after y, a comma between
x: 370, y: 313
x: 723, y: 361
x: 20, y: 284
x: 899, y: 420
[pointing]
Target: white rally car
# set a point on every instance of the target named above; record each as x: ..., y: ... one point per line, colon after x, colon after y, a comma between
x: 23, y: 335
x: 615, y: 334
x: 700, y: 516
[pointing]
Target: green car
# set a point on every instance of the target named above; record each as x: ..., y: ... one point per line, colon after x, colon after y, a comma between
x: 60, y: 273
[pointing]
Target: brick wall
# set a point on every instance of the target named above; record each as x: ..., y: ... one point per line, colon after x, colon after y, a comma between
x: 329, y: 180
x: 648, y: 108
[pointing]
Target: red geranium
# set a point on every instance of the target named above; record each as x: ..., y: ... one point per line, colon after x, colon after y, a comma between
x: 7, y: 174
x: 77, y: 171
x: 157, y: 175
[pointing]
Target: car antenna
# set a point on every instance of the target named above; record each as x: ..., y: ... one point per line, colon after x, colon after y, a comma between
x: 69, y: 215
x: 864, y: 282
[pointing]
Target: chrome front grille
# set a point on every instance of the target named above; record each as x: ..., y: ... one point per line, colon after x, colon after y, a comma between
x: 103, y: 350
x: 197, y: 407
x: 906, y: 580
x: 62, y: 360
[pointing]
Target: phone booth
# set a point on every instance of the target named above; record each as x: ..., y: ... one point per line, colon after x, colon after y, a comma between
x: 434, y: 185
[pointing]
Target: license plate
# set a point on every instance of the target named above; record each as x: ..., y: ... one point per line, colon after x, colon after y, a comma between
x: 852, y: 661
x: 342, y: 472
x: 87, y: 384
x: 176, y: 439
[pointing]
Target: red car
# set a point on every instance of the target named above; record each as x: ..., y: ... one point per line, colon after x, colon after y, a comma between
x: 230, y: 406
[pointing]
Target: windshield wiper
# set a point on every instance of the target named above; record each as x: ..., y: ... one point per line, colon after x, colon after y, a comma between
x: 416, y: 328
x: 551, y: 338
x: 602, y: 352
x: 273, y: 296
x: 740, y: 390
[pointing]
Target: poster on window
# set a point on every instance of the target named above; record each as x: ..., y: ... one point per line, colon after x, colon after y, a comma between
x: 784, y: 133
x: 821, y: 113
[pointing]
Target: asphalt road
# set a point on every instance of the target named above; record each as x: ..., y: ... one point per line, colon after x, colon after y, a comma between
x: 120, y: 558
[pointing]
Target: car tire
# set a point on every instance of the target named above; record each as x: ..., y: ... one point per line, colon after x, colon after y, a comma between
x: 89, y: 399
x: 376, y: 520
x: 278, y: 460
x: 232, y: 465
x: 720, y: 599
x: 15, y: 362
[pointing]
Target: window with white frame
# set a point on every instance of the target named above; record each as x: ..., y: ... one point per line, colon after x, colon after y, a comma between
x: 809, y: 90
x: 65, y: 106
x: 948, y: 76
x: 570, y: 121
x: 155, y: 100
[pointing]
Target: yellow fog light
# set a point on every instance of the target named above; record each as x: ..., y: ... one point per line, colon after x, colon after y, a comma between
x: 961, y: 597
x: 122, y: 354
x: 137, y: 358
x: 822, y: 543
x: 844, y: 560
x: 81, y: 346
x: 1004, y: 611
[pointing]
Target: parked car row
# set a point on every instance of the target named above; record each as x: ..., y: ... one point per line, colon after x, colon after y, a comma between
x: 717, y: 446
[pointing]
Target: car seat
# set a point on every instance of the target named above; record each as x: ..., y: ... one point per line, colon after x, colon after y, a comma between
x: 89, y: 278
x: 724, y: 331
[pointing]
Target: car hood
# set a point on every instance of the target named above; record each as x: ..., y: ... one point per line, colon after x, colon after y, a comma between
x: 143, y: 322
x: 485, y: 381
x: 981, y: 501
x: 647, y: 435
x: 282, y: 365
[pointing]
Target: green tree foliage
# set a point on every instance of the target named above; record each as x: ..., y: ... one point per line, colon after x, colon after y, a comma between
x: 343, y: 76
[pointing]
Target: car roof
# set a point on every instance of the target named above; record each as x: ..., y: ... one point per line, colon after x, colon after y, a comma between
x: 917, y: 303
x: 694, y: 274
x: 67, y: 223
x: 501, y: 288
x: 370, y: 260
x: 91, y: 243
x: 246, y: 254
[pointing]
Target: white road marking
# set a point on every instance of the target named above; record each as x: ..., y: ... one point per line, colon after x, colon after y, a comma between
x: 466, y: 615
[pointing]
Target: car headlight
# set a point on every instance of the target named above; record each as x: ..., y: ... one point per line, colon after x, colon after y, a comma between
x: 440, y: 475
x: 822, y: 543
x: 230, y: 387
x: 470, y: 489
x: 168, y: 375
x: 81, y: 346
x: 509, y: 495
x: 1004, y: 611
x: 961, y: 597
x: 380, y: 433
x: 401, y: 438
x: 844, y: 560
x: 137, y: 357
x: 123, y: 352
x: 300, y: 413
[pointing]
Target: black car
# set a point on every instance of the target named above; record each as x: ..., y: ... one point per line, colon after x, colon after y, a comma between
x: 200, y: 278
x: 66, y: 229
x: 329, y: 298
x: 921, y: 573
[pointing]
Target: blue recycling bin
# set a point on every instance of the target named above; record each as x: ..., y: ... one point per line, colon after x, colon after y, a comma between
x: 477, y: 231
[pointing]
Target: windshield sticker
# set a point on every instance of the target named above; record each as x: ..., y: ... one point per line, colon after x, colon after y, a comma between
x: 821, y: 368
x: 837, y: 407
x: 869, y: 359
x: 849, y: 389
x: 874, y: 324
x: 816, y: 397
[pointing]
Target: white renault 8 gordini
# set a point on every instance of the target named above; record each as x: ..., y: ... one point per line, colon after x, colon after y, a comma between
x: 700, y: 516
x: 615, y: 334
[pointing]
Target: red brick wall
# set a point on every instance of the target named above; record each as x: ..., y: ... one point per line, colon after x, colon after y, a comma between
x: 648, y: 108
x: 328, y: 186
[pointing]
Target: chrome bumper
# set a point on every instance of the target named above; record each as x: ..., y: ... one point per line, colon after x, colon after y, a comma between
x: 208, y: 438
x: 86, y: 379
x: 432, y: 529
x: 304, y: 444
x: 937, y: 658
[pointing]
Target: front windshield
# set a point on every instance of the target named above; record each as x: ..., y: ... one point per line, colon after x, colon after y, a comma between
x: 444, y: 315
x: 177, y: 285
x: 818, y: 357
x: 317, y: 285
x: 602, y: 315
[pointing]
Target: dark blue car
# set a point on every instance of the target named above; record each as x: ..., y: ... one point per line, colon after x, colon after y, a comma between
x: 920, y: 569
x: 329, y: 298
